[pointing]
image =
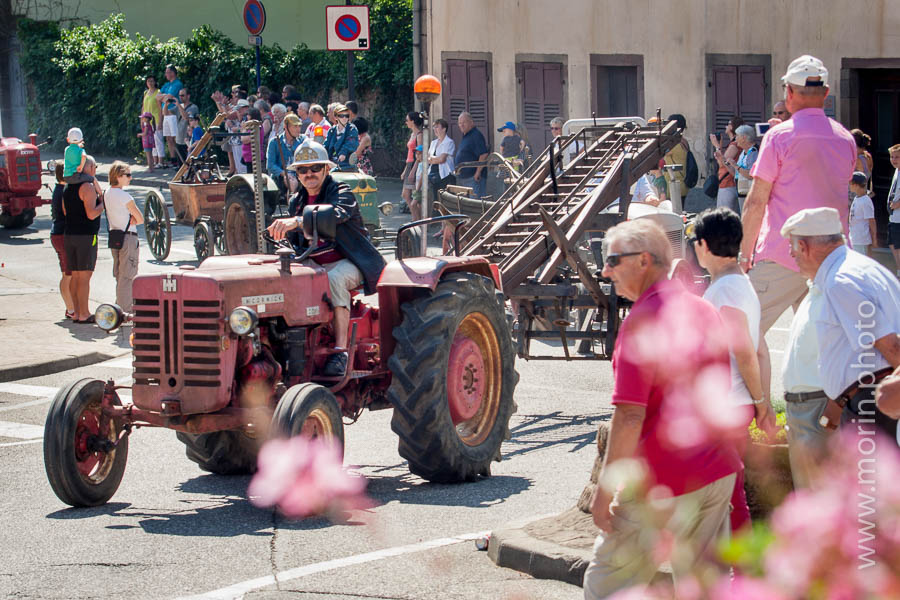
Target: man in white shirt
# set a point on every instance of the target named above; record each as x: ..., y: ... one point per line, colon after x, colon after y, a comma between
x: 894, y: 207
x: 858, y: 323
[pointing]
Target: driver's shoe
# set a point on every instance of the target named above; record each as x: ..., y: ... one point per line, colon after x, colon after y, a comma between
x: 335, y: 365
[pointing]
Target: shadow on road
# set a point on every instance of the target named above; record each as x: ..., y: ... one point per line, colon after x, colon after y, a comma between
x: 539, y: 432
x: 410, y: 489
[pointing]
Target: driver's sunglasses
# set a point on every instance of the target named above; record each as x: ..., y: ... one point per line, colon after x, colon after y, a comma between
x: 311, y: 168
x: 613, y: 260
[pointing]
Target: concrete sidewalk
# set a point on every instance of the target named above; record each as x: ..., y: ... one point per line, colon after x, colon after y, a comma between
x: 39, y: 340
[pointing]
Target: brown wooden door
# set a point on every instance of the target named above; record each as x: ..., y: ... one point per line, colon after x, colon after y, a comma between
x: 541, y: 100
x: 467, y: 89
x: 615, y: 91
x: 737, y: 91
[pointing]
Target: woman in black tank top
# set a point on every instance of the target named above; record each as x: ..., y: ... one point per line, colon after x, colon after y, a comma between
x: 81, y: 245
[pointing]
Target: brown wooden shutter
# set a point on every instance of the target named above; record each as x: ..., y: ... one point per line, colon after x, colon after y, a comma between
x: 725, y: 96
x: 467, y: 89
x: 752, y: 90
x: 542, y: 99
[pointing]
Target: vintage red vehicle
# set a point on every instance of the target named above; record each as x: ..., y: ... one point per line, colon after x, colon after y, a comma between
x: 230, y: 353
x: 20, y: 181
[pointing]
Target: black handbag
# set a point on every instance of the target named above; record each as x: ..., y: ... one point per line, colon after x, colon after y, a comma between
x: 116, y: 237
x: 711, y: 186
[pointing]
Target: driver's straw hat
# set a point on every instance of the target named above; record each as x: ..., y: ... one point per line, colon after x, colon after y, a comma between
x: 310, y: 153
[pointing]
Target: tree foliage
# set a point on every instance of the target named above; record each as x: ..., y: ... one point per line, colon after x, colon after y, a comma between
x: 93, y: 76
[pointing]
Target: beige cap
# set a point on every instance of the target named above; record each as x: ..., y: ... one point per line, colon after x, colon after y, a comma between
x: 813, y: 221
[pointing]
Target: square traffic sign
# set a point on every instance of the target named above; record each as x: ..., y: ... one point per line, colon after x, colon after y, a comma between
x: 347, y: 27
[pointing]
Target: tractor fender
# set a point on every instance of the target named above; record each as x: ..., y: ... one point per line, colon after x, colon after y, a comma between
x: 242, y: 180
x: 426, y: 271
x: 404, y: 280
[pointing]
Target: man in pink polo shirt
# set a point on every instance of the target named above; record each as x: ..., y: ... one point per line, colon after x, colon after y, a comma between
x: 671, y: 356
x: 805, y: 162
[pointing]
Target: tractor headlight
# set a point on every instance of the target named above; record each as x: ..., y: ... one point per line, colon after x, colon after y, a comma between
x: 108, y: 316
x: 243, y: 320
x: 386, y: 208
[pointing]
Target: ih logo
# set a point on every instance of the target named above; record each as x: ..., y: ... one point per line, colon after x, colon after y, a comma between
x: 170, y: 285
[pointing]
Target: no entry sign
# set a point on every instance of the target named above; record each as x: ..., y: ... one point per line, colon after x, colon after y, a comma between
x: 254, y: 17
x: 347, y: 27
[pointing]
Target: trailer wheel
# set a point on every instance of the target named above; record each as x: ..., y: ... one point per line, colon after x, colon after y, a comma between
x: 157, y: 226
x: 20, y: 221
x: 221, y: 452
x: 310, y: 410
x: 240, y: 222
x: 81, y: 467
x: 453, y: 380
x: 204, y: 245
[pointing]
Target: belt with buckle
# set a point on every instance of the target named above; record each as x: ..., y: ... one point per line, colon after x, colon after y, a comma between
x: 805, y: 396
x: 851, y: 391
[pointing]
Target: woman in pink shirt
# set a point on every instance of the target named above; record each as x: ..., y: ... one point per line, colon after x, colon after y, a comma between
x: 414, y: 122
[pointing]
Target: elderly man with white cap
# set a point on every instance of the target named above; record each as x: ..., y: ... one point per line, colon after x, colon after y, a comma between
x: 350, y: 258
x: 858, y: 321
x: 805, y: 162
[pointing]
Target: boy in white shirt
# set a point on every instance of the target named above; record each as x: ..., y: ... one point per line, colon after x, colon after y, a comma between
x: 862, y: 216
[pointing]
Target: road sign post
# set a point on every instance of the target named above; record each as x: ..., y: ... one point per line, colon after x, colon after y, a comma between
x: 254, y: 14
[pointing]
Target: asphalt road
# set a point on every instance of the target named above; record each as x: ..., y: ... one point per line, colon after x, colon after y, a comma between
x: 173, y: 530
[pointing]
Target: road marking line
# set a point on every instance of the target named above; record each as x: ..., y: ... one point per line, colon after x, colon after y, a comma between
x: 8, y: 444
x: 239, y: 589
x: 20, y: 389
x: 21, y: 431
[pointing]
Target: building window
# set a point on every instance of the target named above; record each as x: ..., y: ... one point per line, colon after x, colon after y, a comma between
x: 617, y: 85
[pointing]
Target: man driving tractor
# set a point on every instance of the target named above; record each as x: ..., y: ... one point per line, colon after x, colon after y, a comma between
x: 350, y: 258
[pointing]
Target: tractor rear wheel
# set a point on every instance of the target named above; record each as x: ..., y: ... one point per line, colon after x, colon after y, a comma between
x: 82, y: 467
x: 240, y: 222
x: 20, y: 221
x: 453, y: 380
x: 310, y: 410
x: 221, y: 452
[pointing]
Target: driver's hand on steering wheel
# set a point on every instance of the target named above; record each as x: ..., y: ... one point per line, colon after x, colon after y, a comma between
x: 279, y: 227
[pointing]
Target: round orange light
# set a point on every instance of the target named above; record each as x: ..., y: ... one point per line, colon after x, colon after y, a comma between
x: 427, y: 84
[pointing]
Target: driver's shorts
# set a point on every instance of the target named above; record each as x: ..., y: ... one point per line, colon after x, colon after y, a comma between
x: 343, y: 276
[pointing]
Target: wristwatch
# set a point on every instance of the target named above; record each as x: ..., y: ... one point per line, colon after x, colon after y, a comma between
x: 824, y: 421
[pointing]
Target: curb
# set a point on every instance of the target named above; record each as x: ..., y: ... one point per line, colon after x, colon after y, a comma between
x: 57, y: 365
x: 515, y: 549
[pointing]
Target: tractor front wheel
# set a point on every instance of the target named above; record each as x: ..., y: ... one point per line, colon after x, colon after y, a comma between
x: 20, y: 221
x: 309, y: 410
x: 221, y: 452
x: 453, y: 380
x: 83, y: 460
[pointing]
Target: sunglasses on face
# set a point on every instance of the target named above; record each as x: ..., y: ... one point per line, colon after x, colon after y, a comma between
x: 613, y: 260
x: 310, y: 169
x: 343, y: 116
x: 556, y: 129
x: 778, y: 112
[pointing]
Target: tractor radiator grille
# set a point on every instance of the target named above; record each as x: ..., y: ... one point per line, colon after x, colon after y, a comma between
x: 28, y: 168
x: 675, y: 239
x: 177, y: 342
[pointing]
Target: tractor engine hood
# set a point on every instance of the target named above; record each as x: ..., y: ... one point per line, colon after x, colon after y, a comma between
x: 252, y: 280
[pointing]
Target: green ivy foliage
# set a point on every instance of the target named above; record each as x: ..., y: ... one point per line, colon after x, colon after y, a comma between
x: 93, y: 76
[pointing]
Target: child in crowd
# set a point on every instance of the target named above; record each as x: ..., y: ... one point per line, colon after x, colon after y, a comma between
x: 148, y: 130
x: 74, y: 157
x: 196, y: 132
x: 862, y: 215
x: 419, y: 170
x: 511, y: 145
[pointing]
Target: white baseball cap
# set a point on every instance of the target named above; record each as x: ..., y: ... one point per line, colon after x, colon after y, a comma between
x: 803, y: 68
x: 812, y: 221
x: 242, y: 102
x: 74, y: 136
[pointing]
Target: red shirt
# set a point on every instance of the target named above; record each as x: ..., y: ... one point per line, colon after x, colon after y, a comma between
x: 328, y: 256
x: 668, y: 338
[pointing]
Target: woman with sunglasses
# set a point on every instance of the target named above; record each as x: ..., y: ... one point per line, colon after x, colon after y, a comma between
x: 343, y: 138
x: 122, y: 214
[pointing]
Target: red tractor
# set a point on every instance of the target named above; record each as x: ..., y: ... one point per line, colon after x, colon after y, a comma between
x: 230, y: 353
x: 20, y: 181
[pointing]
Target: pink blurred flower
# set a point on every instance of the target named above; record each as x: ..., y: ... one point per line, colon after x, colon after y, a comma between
x: 745, y: 588
x: 304, y: 477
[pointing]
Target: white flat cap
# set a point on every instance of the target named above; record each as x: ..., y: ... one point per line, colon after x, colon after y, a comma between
x: 813, y: 221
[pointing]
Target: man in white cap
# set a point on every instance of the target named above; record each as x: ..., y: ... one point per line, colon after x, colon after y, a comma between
x: 351, y: 260
x: 857, y: 324
x: 804, y: 162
